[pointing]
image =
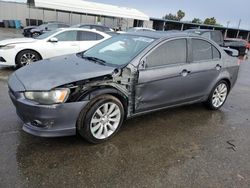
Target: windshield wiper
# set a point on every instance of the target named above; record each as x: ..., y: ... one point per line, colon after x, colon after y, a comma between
x: 95, y: 59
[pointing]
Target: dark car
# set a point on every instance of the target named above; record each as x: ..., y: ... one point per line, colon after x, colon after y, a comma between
x: 93, y: 92
x: 214, y: 35
x: 97, y: 27
x: 238, y: 44
x: 34, y: 31
x: 233, y: 47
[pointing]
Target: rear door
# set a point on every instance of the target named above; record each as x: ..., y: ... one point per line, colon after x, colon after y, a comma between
x: 87, y: 39
x: 205, y: 67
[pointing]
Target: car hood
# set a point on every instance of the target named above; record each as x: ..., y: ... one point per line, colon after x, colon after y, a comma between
x: 51, y: 73
x: 16, y: 41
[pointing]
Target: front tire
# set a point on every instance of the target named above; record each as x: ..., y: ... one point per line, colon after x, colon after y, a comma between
x: 218, y: 96
x: 26, y: 57
x: 102, y: 120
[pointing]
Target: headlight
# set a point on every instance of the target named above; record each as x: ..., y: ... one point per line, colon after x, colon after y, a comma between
x: 7, y: 47
x: 48, y: 97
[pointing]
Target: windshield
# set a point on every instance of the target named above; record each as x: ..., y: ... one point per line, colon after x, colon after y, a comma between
x: 131, y: 29
x: 119, y: 50
x: 42, y: 26
x: 47, y: 34
x: 75, y: 26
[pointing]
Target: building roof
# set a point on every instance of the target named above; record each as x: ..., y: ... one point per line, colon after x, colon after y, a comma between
x: 86, y: 7
x: 196, y: 24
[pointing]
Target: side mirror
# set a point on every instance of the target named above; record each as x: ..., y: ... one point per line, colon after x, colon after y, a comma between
x: 143, y: 63
x: 46, y: 28
x: 53, y: 39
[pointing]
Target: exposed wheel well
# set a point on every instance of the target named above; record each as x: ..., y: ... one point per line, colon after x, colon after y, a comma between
x: 30, y: 50
x: 97, y: 92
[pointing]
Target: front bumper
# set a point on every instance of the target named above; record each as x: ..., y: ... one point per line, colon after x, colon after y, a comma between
x: 7, y: 57
x: 47, y: 120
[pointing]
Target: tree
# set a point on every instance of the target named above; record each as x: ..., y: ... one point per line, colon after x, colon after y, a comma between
x: 197, y: 20
x: 180, y: 15
x: 177, y: 17
x: 170, y: 17
x: 210, y: 21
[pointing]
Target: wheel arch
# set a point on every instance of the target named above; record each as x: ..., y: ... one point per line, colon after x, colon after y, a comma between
x: 25, y: 50
x: 228, y: 82
x: 96, y: 92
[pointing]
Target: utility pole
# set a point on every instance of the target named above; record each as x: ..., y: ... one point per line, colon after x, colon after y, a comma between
x: 225, y: 35
x: 238, y: 29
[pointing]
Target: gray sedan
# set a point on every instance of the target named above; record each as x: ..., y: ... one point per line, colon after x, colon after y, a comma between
x: 93, y: 92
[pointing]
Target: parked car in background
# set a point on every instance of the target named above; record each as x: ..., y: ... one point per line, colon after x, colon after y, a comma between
x: 24, y: 51
x: 214, y: 35
x: 217, y: 37
x: 97, y: 27
x: 34, y: 31
x: 93, y: 92
x: 239, y: 44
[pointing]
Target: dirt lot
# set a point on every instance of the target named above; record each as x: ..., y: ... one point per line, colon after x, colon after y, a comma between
x: 181, y: 147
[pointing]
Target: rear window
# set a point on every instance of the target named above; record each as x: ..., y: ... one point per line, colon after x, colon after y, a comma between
x: 203, y: 50
x: 88, y: 36
x: 217, y: 37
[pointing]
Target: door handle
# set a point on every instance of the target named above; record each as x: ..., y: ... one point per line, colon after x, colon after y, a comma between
x: 218, y: 67
x: 185, y: 72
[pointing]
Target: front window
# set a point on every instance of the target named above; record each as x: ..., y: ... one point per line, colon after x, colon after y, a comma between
x: 47, y: 34
x: 119, y: 50
x: 171, y: 52
x: 67, y: 36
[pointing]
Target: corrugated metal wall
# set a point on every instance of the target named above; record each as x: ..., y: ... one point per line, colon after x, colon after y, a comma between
x: 13, y: 11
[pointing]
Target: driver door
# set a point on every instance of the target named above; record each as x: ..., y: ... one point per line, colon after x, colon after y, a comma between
x: 165, y: 77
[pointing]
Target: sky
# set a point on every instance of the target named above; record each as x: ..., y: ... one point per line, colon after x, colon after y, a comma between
x: 223, y: 10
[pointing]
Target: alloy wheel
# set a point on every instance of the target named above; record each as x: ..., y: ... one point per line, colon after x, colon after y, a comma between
x: 105, y: 120
x: 28, y: 58
x: 219, y: 95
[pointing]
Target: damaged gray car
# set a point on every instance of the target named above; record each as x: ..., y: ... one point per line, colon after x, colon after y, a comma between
x: 93, y: 92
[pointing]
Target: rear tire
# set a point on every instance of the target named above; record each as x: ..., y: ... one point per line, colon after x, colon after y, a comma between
x: 218, y: 96
x: 34, y: 35
x: 101, y: 120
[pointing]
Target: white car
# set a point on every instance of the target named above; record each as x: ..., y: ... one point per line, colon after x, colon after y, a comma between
x: 23, y: 51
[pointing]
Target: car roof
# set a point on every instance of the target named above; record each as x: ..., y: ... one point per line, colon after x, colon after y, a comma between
x: 83, y: 29
x: 160, y: 34
x: 201, y: 31
x: 93, y: 25
x: 55, y: 22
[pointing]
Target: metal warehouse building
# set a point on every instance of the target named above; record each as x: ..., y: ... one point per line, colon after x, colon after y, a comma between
x: 163, y: 24
x: 72, y: 12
